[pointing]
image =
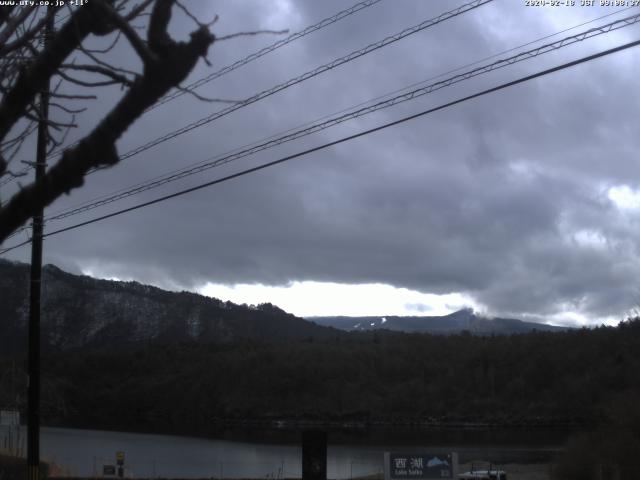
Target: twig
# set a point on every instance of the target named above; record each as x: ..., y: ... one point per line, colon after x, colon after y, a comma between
x: 137, y: 11
x: 82, y: 83
x: 73, y: 97
x: 250, y: 34
x: 116, y: 77
x: 27, y: 36
x: 206, y: 99
x: 14, y: 23
x: 107, y: 49
x: 193, y: 17
x: 136, y: 42
x: 67, y: 109
x: 57, y: 143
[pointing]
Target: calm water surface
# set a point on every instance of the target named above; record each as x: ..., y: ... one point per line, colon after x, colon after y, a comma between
x: 269, y: 454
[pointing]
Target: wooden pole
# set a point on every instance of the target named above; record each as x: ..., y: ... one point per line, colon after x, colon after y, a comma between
x: 33, y: 406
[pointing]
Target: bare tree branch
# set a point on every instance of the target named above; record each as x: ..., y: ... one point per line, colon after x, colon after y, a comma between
x: 66, y: 109
x: 250, y: 34
x: 106, y: 49
x: 32, y: 79
x: 171, y: 63
x: 136, y: 42
x: 84, y: 83
x: 13, y: 148
x: 56, y: 143
x: 73, y: 97
x: 115, y: 77
x: 92, y: 55
x: 206, y: 99
x: 14, y: 23
x: 26, y: 37
x: 5, y: 13
x: 157, y: 36
x: 137, y: 10
x: 194, y: 18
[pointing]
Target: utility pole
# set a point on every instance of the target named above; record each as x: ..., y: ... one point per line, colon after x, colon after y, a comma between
x: 33, y: 406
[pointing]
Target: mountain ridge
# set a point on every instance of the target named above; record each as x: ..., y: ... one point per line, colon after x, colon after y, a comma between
x: 84, y: 312
x: 453, y: 323
x: 88, y: 313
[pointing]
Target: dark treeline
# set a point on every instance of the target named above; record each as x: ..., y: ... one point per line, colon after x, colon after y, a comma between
x: 541, y: 378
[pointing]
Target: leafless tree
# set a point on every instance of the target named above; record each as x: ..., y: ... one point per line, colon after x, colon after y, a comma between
x: 27, y: 65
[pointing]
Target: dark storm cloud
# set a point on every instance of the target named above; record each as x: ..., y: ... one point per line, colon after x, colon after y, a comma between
x: 503, y: 198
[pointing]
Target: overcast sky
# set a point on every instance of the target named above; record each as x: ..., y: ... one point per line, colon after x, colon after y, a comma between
x: 523, y: 203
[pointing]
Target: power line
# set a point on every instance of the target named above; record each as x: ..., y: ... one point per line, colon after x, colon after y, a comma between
x: 314, y: 128
x: 307, y: 30
x: 229, y: 68
x: 256, y: 142
x: 268, y: 49
x: 343, y: 139
x: 307, y: 75
x: 226, y: 158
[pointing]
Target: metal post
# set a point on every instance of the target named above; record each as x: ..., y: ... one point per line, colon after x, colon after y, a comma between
x: 33, y: 407
x: 314, y: 455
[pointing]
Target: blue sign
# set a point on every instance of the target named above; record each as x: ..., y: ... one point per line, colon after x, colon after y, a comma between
x: 420, y: 466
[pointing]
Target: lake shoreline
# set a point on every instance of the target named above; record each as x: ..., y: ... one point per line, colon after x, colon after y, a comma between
x: 406, y: 423
x: 218, y: 425
x: 82, y: 453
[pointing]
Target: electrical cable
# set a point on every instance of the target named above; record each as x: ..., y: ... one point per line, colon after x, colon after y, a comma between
x: 229, y: 68
x: 256, y: 142
x: 314, y: 128
x: 343, y: 139
x: 206, y: 164
x: 306, y: 76
x: 268, y: 49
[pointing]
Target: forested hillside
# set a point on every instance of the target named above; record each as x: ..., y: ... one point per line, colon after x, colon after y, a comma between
x: 80, y: 312
x: 541, y: 378
x: 124, y: 355
x: 84, y: 312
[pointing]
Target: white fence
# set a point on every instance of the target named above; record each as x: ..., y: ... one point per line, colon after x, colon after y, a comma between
x: 12, y: 441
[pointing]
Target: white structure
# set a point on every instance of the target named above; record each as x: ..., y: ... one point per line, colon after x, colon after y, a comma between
x: 483, y: 475
x: 10, y: 418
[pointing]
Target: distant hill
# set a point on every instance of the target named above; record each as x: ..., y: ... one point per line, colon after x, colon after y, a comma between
x: 188, y: 368
x: 577, y: 377
x: 84, y: 312
x: 462, y: 320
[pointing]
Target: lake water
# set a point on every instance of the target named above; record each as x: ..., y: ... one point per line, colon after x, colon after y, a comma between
x: 244, y: 454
